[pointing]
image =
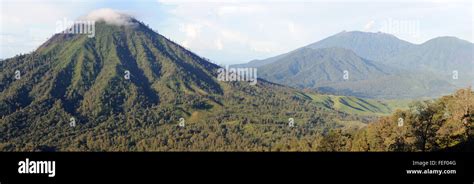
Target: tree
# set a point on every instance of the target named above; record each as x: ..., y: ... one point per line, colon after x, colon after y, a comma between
x: 360, y: 141
x: 462, y: 109
x: 333, y: 141
x: 427, y: 121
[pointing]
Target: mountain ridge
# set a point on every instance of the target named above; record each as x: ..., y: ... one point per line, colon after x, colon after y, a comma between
x: 422, y: 70
x: 323, y: 70
x: 337, y: 40
x: 74, y: 94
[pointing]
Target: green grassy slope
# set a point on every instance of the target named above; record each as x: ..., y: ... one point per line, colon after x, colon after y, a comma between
x: 359, y: 106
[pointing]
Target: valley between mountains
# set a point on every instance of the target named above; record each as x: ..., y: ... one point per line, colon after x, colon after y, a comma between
x: 72, y: 96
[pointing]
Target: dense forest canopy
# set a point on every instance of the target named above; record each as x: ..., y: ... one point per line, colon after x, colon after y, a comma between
x: 72, y: 96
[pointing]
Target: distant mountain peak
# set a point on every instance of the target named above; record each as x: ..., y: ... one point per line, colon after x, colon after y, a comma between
x: 447, y: 39
x: 373, y: 46
x: 360, y: 33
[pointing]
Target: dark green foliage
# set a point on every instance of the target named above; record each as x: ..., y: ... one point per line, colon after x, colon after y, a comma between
x: 428, y: 126
x: 73, y: 76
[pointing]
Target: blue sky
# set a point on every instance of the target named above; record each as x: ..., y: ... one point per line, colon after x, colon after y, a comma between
x: 236, y: 31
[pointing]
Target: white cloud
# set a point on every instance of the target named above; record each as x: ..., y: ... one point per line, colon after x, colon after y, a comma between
x: 233, y: 36
x: 185, y: 43
x: 369, y: 25
x: 230, y: 10
x: 28, y: 23
x: 264, y: 46
x: 219, y: 45
x: 241, y: 30
x: 291, y: 27
x: 191, y: 30
x: 110, y: 16
x: 309, y: 1
x: 258, y: 29
x: 235, y: 30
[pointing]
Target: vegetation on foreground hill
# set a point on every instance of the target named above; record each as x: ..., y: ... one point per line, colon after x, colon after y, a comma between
x: 433, y: 125
x: 72, y: 96
x: 442, y: 124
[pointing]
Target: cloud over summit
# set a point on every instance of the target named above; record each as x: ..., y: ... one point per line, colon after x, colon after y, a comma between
x: 110, y: 16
